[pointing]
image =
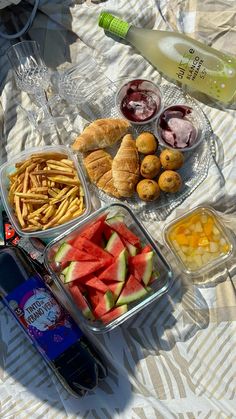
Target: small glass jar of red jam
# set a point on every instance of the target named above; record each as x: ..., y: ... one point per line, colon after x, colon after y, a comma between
x: 139, y: 101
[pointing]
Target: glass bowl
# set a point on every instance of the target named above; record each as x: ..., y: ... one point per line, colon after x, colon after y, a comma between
x: 161, y: 272
x: 9, y: 168
x: 172, y: 119
x: 199, y: 241
x: 139, y: 101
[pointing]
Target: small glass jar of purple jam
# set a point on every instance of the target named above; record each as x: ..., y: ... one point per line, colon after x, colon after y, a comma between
x: 178, y: 127
x: 139, y: 101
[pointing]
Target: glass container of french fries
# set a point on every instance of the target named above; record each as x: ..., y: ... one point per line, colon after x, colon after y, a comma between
x: 44, y: 191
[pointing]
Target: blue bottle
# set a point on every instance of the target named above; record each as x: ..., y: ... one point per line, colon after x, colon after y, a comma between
x: 47, y: 324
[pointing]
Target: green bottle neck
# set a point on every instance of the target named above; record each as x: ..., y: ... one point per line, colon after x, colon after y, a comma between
x: 113, y: 25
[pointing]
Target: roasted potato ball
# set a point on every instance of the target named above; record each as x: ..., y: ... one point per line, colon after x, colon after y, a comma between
x: 148, y: 190
x: 170, y: 181
x: 150, y: 166
x: 146, y: 143
x: 171, y: 159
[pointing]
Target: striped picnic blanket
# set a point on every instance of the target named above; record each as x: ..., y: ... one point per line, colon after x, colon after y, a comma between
x: 176, y: 359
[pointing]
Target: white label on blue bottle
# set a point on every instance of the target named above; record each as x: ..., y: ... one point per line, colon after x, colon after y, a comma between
x: 46, y: 322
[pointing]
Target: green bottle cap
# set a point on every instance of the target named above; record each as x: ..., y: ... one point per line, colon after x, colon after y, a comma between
x: 112, y: 24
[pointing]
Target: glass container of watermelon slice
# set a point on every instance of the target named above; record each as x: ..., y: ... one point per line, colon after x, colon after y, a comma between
x: 107, y: 268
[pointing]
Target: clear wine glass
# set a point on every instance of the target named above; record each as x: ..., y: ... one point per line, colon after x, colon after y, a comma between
x: 33, y: 77
x: 80, y: 84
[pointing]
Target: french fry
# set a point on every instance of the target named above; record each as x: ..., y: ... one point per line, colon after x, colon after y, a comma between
x: 68, y: 162
x: 62, y: 163
x: 18, y: 211
x: 52, y: 172
x: 35, y: 223
x: 34, y: 201
x: 24, y: 210
x: 21, y: 168
x: 78, y: 212
x: 34, y: 180
x: 40, y: 189
x: 38, y: 211
x: 57, y: 190
x: 49, y: 156
x: 58, y: 216
x: 60, y: 195
x: 65, y: 180
x: 30, y: 227
x: 31, y: 195
x: 72, y: 192
x: 74, y: 201
x: 52, y: 193
x: 65, y: 169
x: 49, y: 213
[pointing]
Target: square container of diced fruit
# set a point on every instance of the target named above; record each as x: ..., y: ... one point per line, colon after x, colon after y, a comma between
x: 199, y: 241
x: 44, y: 191
x: 107, y: 268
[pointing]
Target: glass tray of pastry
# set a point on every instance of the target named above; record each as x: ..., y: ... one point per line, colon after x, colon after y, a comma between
x: 127, y: 163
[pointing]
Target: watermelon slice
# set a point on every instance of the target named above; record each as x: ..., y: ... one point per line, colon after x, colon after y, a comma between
x: 104, y: 305
x: 117, y: 270
x: 141, y: 266
x: 146, y: 249
x: 97, y: 284
x: 122, y: 230
x: 133, y: 290
x: 94, y: 232
x: 115, y: 245
x: 92, y: 249
x: 79, y: 270
x: 107, y: 231
x: 94, y: 296
x: 116, y: 288
x: 67, y: 253
x: 63, y: 272
x: 81, y: 302
x: 116, y: 218
x: 114, y: 313
x: 131, y: 249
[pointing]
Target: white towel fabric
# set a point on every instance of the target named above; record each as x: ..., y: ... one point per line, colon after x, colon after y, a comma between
x: 175, y: 358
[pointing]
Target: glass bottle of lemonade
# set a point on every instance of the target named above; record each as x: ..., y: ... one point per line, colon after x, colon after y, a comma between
x: 180, y: 57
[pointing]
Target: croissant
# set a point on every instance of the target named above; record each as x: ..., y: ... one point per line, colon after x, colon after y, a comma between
x: 98, y: 165
x: 100, y: 134
x: 125, y: 167
x: 106, y: 183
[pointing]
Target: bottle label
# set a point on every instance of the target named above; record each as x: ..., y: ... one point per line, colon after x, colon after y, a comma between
x: 45, y: 321
x: 190, y: 66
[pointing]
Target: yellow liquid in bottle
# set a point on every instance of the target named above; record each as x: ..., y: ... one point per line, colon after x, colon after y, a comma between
x: 190, y: 62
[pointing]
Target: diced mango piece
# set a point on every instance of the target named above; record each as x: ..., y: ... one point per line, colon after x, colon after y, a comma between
x: 203, y: 241
x: 204, y: 218
x: 180, y: 229
x: 208, y: 228
x: 195, y: 219
x: 193, y: 240
x: 198, y: 260
x: 214, y: 247
x: 225, y: 248
x: 215, y: 231
x: 200, y: 250
x: 206, y: 258
x: 198, y: 227
x: 182, y: 239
